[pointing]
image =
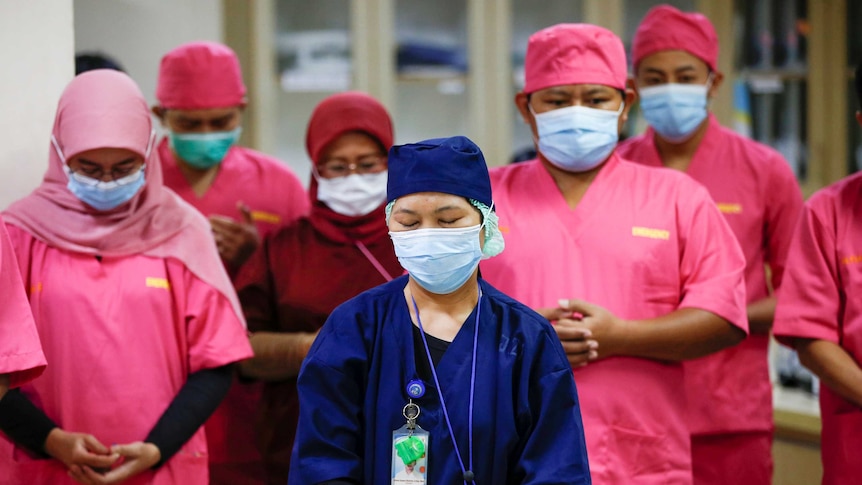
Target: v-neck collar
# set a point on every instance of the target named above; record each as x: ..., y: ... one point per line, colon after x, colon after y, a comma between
x: 548, y: 197
x: 704, y: 151
x: 454, y: 362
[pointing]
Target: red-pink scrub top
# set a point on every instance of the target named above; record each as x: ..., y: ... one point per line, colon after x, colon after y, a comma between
x: 276, y: 197
x: 821, y: 298
x: 122, y: 335
x: 267, y: 186
x: 20, y: 351
x: 642, y: 243
x: 755, y: 189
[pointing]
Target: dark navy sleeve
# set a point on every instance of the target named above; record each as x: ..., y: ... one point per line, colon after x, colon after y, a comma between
x: 330, y: 384
x: 554, y: 452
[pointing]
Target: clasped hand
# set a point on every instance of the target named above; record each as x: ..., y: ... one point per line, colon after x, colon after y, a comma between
x: 588, y: 332
x: 92, y: 463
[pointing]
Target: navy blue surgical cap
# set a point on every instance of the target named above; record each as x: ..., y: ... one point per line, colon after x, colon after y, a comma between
x: 453, y: 166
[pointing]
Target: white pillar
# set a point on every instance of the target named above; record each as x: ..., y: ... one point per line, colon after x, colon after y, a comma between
x: 37, y: 52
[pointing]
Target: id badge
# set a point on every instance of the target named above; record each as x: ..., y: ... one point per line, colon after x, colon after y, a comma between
x: 409, y: 456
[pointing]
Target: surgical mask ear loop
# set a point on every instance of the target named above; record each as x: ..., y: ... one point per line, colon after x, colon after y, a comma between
x: 57, y: 149
x: 150, y: 143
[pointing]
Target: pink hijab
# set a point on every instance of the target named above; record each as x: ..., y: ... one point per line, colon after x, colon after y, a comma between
x: 105, y: 109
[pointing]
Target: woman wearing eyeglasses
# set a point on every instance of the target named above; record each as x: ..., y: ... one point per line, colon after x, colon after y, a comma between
x: 137, y: 317
x: 307, y: 268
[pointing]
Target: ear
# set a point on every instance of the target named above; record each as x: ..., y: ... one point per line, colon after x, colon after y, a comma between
x: 717, y: 80
x: 632, y: 84
x: 522, y: 102
x: 159, y: 113
x: 630, y: 98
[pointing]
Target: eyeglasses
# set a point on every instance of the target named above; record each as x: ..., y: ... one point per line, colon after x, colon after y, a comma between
x: 338, y: 167
x: 119, y: 175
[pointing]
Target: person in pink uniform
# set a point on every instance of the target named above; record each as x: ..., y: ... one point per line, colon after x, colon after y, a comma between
x: 635, y: 265
x: 244, y: 193
x: 820, y: 315
x: 675, y: 58
x: 21, y: 358
x: 134, y: 310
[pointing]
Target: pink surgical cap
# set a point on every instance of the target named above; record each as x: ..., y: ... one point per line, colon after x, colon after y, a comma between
x: 666, y: 28
x: 200, y: 75
x: 574, y: 54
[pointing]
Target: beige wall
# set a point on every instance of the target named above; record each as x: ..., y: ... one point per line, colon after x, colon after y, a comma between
x: 138, y: 32
x: 36, y: 48
x: 38, y: 40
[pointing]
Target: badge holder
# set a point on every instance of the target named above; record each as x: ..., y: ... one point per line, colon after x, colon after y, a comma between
x: 410, y: 450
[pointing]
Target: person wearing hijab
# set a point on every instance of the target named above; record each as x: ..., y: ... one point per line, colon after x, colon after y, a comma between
x: 306, y: 269
x: 437, y: 370
x: 636, y: 265
x: 675, y: 57
x: 819, y: 314
x: 244, y: 193
x: 135, y: 313
x: 21, y: 358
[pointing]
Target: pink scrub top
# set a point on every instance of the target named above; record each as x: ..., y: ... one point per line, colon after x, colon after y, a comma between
x: 20, y: 351
x: 820, y: 299
x: 122, y: 335
x: 276, y: 197
x: 267, y: 186
x: 642, y: 243
x: 755, y: 189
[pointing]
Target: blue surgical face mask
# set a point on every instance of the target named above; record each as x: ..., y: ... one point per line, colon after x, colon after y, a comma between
x: 577, y: 138
x: 441, y: 260
x: 105, y: 196
x: 101, y: 195
x: 675, y: 110
x: 203, y: 150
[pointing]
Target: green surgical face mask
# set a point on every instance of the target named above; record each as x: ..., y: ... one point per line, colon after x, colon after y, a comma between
x: 203, y: 150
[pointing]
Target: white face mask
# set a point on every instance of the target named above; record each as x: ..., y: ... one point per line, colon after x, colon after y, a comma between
x: 354, y: 195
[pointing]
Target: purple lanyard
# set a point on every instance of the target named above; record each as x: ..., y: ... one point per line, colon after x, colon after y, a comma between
x: 467, y: 472
x: 371, y: 259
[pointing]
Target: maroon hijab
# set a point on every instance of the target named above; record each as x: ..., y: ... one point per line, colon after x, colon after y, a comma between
x: 336, y: 115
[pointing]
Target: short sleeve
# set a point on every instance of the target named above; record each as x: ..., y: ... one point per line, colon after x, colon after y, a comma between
x: 215, y: 333
x: 712, y: 265
x: 809, y: 302
x: 296, y: 201
x: 256, y: 291
x: 783, y: 206
x: 20, y: 350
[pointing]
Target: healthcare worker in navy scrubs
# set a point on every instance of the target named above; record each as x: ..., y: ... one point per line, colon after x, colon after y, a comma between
x: 436, y: 372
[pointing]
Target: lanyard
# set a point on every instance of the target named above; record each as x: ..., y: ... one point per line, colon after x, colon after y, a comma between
x: 374, y: 262
x: 466, y: 471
